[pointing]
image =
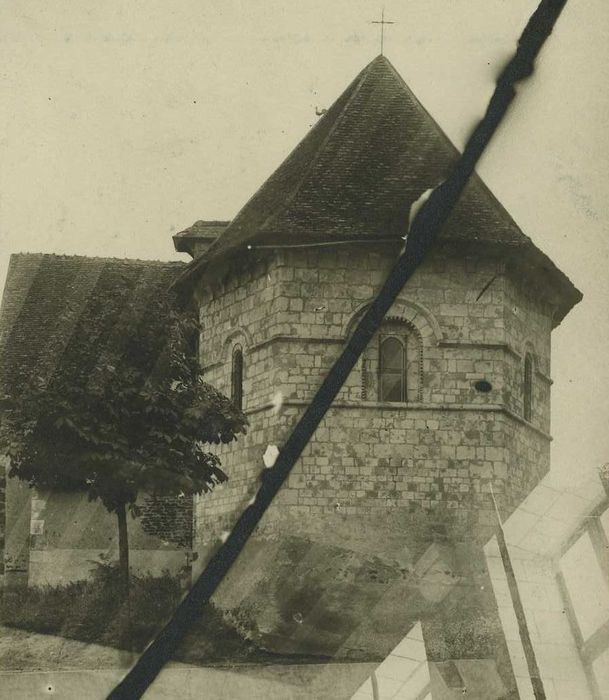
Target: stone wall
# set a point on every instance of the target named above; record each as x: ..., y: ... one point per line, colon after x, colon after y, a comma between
x: 442, y: 450
x: 54, y: 537
x: 528, y: 320
x: 16, y: 531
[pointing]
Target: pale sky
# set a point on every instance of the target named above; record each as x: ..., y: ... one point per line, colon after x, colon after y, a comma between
x: 125, y: 122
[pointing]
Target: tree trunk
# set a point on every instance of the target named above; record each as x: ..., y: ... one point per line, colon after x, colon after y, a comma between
x: 123, y: 547
x: 123, y: 561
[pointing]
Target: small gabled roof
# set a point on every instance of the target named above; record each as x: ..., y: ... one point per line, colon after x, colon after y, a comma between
x: 200, y: 232
x: 355, y: 176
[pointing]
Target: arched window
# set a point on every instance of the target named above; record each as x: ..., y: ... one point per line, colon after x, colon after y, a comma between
x: 392, y: 369
x: 237, y: 376
x: 528, y: 386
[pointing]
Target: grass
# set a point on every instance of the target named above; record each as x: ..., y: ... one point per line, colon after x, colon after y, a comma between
x: 94, y: 611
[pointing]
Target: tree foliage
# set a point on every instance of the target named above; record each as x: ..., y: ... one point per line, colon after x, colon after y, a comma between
x: 121, y: 406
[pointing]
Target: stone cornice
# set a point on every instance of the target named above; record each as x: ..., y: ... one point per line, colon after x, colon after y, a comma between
x: 295, y: 338
x: 506, y: 347
x: 412, y: 406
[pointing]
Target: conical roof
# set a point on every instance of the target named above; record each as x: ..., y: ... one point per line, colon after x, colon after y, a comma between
x: 356, y: 174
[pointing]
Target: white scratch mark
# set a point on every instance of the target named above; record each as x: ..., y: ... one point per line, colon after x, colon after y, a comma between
x: 277, y: 401
x: 270, y: 456
x: 417, y: 204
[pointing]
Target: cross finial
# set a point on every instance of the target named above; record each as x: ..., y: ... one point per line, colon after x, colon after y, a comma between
x: 382, y: 22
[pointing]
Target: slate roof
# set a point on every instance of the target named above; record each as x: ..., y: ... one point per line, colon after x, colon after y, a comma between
x: 184, y: 241
x: 43, y: 304
x: 355, y: 176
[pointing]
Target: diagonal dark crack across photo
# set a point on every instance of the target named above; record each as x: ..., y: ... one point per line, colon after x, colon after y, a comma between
x: 314, y: 460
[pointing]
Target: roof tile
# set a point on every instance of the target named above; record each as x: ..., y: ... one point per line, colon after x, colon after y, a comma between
x: 356, y: 174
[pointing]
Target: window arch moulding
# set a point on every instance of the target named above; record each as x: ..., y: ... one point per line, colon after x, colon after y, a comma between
x: 237, y: 336
x: 408, y: 311
x: 412, y: 324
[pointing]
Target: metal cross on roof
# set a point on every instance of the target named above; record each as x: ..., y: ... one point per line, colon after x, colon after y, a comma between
x: 382, y: 23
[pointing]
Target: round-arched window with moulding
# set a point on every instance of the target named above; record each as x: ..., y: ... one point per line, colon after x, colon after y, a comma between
x: 392, y: 363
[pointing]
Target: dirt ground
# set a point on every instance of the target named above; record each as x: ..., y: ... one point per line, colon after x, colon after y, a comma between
x: 41, y: 666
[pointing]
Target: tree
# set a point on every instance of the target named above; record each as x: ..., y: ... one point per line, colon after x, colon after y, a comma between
x: 123, y: 408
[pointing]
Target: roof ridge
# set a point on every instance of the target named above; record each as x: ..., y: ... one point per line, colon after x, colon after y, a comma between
x: 361, y: 78
x: 69, y: 256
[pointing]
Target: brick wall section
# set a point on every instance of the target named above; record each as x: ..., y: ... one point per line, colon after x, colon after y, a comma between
x: 443, y: 449
x: 168, y: 518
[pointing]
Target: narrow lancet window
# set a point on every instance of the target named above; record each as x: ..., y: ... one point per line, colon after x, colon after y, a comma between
x: 237, y: 377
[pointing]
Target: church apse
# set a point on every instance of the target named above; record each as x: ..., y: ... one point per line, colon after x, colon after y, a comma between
x: 381, y: 523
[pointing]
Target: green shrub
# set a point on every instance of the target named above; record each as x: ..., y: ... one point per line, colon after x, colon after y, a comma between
x: 95, y: 611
